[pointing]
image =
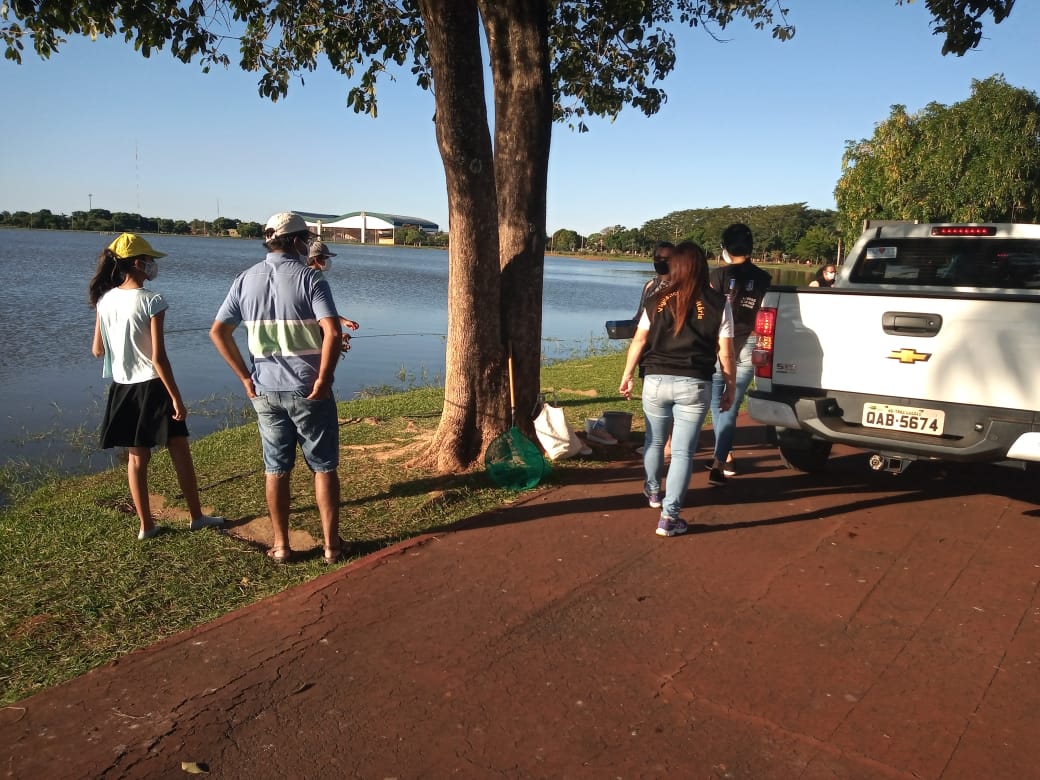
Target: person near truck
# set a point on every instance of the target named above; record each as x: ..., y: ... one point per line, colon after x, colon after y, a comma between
x: 744, y: 284
x: 684, y: 331
x: 662, y: 253
x: 825, y: 276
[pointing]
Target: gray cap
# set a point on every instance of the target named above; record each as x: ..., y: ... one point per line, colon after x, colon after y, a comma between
x: 320, y: 249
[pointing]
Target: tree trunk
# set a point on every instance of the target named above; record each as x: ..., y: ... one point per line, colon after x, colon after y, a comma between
x: 476, y: 400
x: 518, y: 44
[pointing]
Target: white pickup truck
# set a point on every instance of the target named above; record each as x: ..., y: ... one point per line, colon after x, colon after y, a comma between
x: 927, y: 346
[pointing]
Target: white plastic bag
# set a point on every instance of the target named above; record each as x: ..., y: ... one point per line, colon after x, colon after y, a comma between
x: 555, y: 435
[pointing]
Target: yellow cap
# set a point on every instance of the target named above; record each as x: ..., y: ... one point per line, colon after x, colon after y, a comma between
x: 131, y: 245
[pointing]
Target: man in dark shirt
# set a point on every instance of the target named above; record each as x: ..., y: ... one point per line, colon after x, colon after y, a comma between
x: 744, y: 284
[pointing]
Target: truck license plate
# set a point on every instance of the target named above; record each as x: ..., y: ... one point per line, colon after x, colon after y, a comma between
x: 904, y: 418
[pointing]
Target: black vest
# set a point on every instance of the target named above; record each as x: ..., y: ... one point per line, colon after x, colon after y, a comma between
x: 694, y: 351
x: 745, y: 285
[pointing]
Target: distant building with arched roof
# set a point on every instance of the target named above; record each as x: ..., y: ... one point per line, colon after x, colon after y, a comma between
x: 364, y: 227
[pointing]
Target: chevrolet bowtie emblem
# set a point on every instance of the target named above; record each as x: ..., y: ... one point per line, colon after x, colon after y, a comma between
x: 908, y: 355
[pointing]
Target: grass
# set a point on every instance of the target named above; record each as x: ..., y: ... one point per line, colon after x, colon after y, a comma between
x: 80, y: 590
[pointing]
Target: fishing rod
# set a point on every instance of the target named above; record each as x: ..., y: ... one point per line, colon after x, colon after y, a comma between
x: 352, y: 336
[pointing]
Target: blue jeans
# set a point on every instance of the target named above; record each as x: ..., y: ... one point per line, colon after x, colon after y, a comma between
x: 678, y: 403
x: 288, y: 418
x: 725, y: 423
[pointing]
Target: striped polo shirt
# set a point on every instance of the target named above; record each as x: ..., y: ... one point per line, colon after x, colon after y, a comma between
x: 280, y: 301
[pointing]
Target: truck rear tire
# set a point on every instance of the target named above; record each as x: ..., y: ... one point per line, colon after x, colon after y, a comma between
x: 801, y: 452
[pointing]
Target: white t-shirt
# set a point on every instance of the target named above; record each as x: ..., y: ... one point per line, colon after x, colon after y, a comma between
x: 126, y: 329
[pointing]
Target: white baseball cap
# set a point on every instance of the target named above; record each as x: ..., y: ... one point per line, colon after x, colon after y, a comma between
x: 283, y: 223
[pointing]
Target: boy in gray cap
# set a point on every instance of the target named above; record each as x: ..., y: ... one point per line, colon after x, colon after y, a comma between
x: 320, y: 259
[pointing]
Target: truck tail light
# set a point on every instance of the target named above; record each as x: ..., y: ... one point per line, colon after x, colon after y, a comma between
x: 964, y: 230
x: 762, y: 354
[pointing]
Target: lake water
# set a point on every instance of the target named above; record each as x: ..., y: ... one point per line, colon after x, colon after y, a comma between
x: 52, y: 384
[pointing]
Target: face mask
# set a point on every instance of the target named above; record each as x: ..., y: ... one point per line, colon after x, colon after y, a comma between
x: 726, y: 257
x: 828, y: 275
x: 661, y: 267
x: 322, y: 263
x: 151, y: 269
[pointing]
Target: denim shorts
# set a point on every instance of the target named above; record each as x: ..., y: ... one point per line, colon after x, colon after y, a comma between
x: 285, y: 418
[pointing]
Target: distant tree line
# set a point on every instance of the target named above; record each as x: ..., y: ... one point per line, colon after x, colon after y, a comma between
x: 781, y: 232
x: 787, y: 232
x: 104, y: 221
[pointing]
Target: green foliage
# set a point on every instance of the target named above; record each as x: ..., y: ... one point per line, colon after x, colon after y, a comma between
x: 104, y: 221
x: 777, y: 229
x: 620, y: 240
x: 818, y: 243
x: 410, y: 235
x: 973, y: 161
x: 564, y: 240
x: 39, y: 220
x: 606, y: 54
x: 223, y: 225
x: 250, y: 229
x: 958, y: 21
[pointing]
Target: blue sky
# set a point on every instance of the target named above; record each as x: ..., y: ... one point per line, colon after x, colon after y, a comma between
x: 748, y: 122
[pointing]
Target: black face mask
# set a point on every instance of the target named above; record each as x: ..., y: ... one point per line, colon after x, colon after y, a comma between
x: 661, y: 267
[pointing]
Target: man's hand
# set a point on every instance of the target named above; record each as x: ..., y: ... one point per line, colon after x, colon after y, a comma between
x: 321, y: 390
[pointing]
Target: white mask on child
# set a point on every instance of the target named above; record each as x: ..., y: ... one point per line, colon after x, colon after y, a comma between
x: 726, y: 257
x: 150, y: 269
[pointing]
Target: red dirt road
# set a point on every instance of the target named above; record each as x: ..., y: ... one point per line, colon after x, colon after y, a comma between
x: 851, y: 625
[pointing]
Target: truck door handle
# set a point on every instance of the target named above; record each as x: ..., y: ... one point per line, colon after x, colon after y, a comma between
x: 910, y: 323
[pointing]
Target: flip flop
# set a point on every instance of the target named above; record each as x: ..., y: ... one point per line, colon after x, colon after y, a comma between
x: 279, y: 555
x: 336, y: 554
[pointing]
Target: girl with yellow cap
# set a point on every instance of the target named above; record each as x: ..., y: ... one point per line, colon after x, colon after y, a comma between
x: 145, y: 408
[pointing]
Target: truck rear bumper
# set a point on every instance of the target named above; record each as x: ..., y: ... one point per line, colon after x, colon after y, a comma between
x: 972, y: 433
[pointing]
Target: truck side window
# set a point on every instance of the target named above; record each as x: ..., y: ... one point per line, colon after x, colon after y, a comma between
x: 870, y: 270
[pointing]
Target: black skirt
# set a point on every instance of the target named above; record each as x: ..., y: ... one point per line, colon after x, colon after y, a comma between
x: 140, y: 415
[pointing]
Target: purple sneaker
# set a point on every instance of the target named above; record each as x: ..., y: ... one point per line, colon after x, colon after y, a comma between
x: 653, y: 497
x: 672, y: 526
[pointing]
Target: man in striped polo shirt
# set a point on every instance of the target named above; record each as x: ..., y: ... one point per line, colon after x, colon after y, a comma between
x: 294, y: 334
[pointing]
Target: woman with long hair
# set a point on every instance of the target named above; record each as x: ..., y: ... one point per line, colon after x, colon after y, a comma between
x: 144, y: 407
x: 684, y: 330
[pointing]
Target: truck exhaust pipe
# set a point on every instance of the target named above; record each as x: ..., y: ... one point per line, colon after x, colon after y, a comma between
x: 893, y: 464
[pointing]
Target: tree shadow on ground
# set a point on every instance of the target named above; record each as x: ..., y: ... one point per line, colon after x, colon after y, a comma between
x: 763, y: 480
